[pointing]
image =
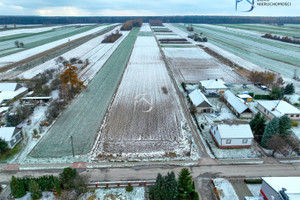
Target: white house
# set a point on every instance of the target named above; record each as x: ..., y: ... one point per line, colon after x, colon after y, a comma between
x: 278, y: 108
x: 280, y: 188
x: 200, y: 101
x: 232, y: 136
x: 237, y: 105
x: 9, y: 91
x: 11, y: 135
x: 213, y: 86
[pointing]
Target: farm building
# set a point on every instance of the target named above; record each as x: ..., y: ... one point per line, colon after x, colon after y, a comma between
x: 232, y: 136
x: 278, y: 108
x: 9, y: 91
x: 280, y: 188
x: 200, y: 101
x: 3, y: 111
x: 213, y: 86
x: 11, y: 135
x: 36, y: 100
x: 238, y: 106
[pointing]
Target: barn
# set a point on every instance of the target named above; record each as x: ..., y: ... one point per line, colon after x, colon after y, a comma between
x: 232, y: 135
x: 237, y: 105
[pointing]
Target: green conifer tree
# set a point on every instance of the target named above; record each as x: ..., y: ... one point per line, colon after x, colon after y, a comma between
x: 271, y: 129
x: 17, y: 187
x: 34, y: 189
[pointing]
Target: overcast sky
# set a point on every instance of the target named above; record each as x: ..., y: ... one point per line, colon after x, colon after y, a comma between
x: 140, y: 8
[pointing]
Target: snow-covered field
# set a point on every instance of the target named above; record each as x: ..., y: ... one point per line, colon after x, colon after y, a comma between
x: 145, y: 27
x: 274, y: 55
x: 27, y: 30
x: 191, y: 65
x: 33, y: 51
x: 96, y: 52
x: 82, y: 118
x: 225, y: 189
x: 145, y: 116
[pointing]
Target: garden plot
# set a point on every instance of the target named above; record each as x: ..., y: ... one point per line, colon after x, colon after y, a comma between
x: 49, y: 45
x: 82, y: 118
x: 191, y: 65
x: 145, y: 117
x: 96, y: 52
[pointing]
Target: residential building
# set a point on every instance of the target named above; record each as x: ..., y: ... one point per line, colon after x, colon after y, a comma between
x: 9, y: 91
x: 11, y: 135
x: 213, y: 87
x: 278, y: 108
x: 232, y: 135
x: 280, y: 188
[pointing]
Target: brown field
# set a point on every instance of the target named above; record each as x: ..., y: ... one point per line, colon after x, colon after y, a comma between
x: 135, y: 126
x: 191, y: 65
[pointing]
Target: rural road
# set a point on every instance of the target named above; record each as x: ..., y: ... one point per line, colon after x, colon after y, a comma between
x: 149, y: 172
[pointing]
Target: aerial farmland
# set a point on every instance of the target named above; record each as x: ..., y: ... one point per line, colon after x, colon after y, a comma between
x: 131, y: 105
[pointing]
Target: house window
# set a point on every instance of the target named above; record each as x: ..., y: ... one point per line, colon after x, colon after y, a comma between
x: 292, y: 115
x: 228, y: 141
x: 265, y: 110
x: 297, y: 115
x: 245, y: 141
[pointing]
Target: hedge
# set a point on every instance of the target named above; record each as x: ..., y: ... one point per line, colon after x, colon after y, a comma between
x: 262, y: 96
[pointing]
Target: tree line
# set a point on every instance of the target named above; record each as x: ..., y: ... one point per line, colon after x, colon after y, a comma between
x: 166, y: 19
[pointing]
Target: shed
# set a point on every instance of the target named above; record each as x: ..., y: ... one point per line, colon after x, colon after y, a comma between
x: 232, y: 135
x: 280, y: 188
x: 8, y: 87
x: 278, y: 108
x: 200, y: 101
x: 245, y: 97
x: 237, y: 105
x: 213, y: 86
x: 11, y: 135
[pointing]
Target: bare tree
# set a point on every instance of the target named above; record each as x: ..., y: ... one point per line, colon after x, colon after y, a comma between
x: 277, y: 144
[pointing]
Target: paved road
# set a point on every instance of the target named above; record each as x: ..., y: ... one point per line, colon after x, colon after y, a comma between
x: 150, y: 172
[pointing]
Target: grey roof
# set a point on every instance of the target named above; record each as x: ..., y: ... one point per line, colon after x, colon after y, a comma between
x: 235, y: 102
x: 198, y: 98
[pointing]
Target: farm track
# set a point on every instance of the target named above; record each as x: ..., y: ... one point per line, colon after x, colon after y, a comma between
x: 82, y: 118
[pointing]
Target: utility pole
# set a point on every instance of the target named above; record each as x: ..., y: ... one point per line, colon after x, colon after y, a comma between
x: 72, y: 145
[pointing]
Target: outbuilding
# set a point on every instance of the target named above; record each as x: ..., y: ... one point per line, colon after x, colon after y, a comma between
x: 280, y: 188
x: 278, y: 108
x: 232, y: 135
x: 200, y: 101
x: 9, y: 91
x: 237, y: 105
x: 213, y: 87
x: 11, y: 135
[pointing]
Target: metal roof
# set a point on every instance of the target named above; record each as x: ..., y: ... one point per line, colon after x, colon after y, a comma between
x: 235, y: 102
x: 198, y: 97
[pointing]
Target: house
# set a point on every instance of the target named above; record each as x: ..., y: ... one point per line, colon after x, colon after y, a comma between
x: 11, y: 135
x: 3, y: 111
x: 200, y: 102
x: 237, y: 105
x: 213, y: 86
x: 232, y: 135
x: 280, y: 188
x: 9, y: 91
x: 278, y: 108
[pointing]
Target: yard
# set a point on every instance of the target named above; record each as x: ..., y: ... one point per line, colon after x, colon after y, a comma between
x: 82, y: 118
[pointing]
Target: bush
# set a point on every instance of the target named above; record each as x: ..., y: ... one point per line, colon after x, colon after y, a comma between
x: 294, y: 123
x: 202, y: 126
x: 129, y: 188
x: 262, y: 96
x: 3, y: 146
x: 17, y: 188
x: 67, y: 177
x: 34, y: 189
